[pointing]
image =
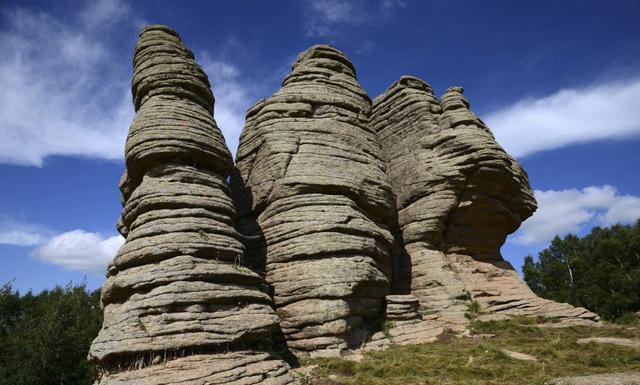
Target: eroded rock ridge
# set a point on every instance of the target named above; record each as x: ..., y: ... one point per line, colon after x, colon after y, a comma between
x: 458, y: 196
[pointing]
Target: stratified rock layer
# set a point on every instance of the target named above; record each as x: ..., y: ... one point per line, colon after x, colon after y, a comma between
x: 178, y: 305
x: 313, y: 200
x: 458, y: 196
x: 404, y: 325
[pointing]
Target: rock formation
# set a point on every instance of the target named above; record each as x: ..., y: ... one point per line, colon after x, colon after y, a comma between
x: 458, y: 196
x: 178, y: 305
x: 313, y: 203
x: 339, y: 204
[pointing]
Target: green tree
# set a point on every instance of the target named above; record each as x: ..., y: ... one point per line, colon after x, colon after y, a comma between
x: 45, y: 338
x: 600, y: 271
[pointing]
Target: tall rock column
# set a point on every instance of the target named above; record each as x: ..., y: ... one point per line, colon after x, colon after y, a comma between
x: 178, y: 305
x: 459, y: 195
x: 313, y: 200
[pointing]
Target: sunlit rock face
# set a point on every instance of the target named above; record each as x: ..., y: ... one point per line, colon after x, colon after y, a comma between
x: 340, y: 214
x: 458, y: 196
x: 179, y: 307
x: 315, y: 202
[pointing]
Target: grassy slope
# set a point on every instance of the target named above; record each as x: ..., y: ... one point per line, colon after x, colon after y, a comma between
x: 475, y: 361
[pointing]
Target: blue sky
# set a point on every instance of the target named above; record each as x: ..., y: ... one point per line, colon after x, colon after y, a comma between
x: 558, y: 82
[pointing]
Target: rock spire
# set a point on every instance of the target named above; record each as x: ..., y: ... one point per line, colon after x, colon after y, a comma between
x: 314, y: 203
x: 178, y: 305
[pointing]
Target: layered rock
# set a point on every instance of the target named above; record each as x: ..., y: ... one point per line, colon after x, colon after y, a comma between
x: 458, y: 196
x: 404, y: 325
x: 402, y: 308
x: 178, y: 305
x: 313, y: 200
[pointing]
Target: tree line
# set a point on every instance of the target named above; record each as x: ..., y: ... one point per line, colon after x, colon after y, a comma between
x: 600, y: 271
x: 45, y: 337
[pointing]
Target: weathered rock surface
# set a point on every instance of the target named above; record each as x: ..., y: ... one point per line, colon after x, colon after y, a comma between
x: 229, y: 368
x: 458, y: 196
x: 402, y: 308
x: 178, y: 305
x: 404, y: 325
x: 600, y: 379
x: 627, y: 342
x: 518, y: 355
x: 313, y: 203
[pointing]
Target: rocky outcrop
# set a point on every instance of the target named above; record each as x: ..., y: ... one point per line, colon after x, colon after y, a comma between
x: 458, y: 196
x: 404, y: 325
x: 402, y: 308
x: 179, y: 307
x: 313, y: 203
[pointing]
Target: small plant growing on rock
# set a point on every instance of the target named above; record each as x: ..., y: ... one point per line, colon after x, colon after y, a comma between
x: 240, y: 268
x: 473, y: 309
x: 386, y: 327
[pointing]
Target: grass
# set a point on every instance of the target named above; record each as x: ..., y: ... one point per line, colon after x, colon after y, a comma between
x: 628, y: 319
x: 480, y: 361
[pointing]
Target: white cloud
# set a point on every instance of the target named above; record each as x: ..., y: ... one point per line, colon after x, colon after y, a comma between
x: 63, y: 91
x: 74, y: 250
x: 323, y: 16
x: 20, y: 238
x: 65, y: 85
x: 104, y: 13
x: 233, y: 97
x: 572, y: 210
x: 571, y: 116
x: 80, y: 250
x: 17, y: 233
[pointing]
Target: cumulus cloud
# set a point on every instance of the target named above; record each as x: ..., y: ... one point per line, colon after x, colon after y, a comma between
x: 570, y: 211
x: 80, y: 250
x: 323, y: 16
x: 570, y: 116
x: 64, y: 92
x: 74, y: 250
